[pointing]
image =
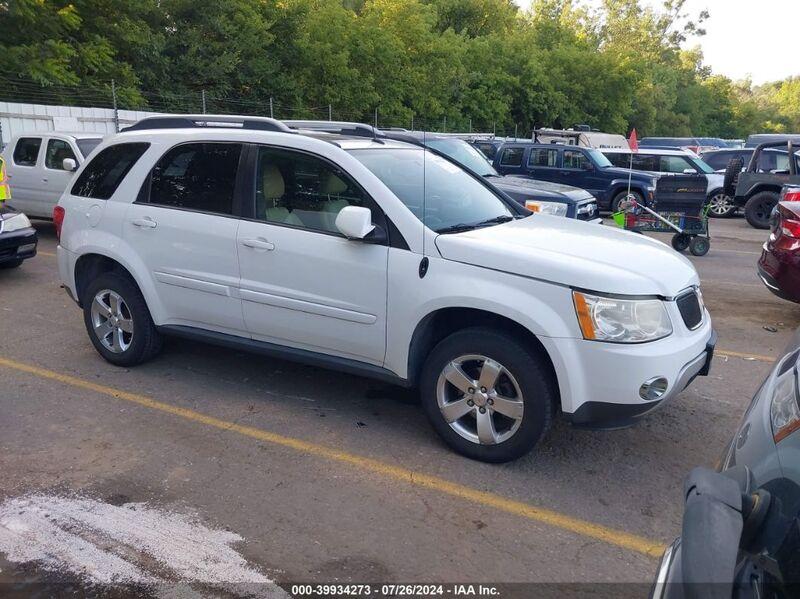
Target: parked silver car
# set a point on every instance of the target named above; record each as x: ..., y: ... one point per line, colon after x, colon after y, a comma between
x: 741, y: 525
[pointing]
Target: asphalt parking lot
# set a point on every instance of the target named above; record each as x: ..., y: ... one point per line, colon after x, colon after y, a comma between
x: 332, y: 478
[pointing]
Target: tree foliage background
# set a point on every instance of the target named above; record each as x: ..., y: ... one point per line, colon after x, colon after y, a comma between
x: 445, y: 63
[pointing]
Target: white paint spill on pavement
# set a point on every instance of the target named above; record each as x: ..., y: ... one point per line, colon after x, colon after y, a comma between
x: 123, y: 545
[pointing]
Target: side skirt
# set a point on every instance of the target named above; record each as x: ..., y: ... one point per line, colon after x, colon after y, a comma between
x: 286, y: 353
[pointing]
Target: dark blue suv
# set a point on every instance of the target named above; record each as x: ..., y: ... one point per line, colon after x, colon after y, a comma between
x: 586, y: 168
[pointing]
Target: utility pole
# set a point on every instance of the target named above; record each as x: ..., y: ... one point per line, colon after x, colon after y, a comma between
x: 376, y: 117
x: 330, y: 113
x: 515, y: 132
x: 470, y: 125
x: 412, y: 122
x: 270, y: 108
x: 203, y: 96
x: 114, y: 101
x: 444, y: 124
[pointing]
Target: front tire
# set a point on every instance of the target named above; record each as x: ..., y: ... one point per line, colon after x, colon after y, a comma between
x: 759, y: 208
x: 720, y: 205
x: 624, y: 194
x: 118, y: 321
x: 488, y: 396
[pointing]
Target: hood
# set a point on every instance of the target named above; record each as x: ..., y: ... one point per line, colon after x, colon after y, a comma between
x: 525, y: 187
x: 636, y: 176
x: 574, y: 253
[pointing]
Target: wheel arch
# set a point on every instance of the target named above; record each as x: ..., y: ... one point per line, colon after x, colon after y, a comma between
x: 440, y: 323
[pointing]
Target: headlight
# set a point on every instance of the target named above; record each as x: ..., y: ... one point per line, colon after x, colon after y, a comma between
x: 784, y: 411
x: 14, y: 223
x: 554, y: 208
x: 621, y: 320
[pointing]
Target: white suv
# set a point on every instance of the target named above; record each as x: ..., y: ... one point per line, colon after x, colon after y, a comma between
x: 380, y: 258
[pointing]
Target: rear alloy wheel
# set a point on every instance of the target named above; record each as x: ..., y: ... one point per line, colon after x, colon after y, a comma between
x: 759, y: 208
x: 487, y: 395
x: 118, y: 321
x: 720, y: 205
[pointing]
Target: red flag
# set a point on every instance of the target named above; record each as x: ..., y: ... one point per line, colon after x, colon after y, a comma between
x: 633, y: 143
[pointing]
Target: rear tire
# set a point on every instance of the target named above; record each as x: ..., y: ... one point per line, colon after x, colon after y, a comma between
x: 118, y: 321
x: 758, y: 209
x: 524, y: 388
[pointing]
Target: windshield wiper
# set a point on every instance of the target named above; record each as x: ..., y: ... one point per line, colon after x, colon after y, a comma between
x: 461, y: 227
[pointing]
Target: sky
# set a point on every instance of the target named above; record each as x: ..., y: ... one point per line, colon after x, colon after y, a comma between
x: 745, y: 38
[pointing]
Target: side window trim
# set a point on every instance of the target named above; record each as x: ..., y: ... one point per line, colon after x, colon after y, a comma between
x: 143, y: 197
x: 249, y: 201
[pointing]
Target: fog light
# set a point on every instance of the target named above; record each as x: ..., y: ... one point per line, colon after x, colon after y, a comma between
x: 653, y: 389
x: 24, y: 249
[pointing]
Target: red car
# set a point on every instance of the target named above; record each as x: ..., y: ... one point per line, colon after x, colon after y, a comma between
x: 779, y: 266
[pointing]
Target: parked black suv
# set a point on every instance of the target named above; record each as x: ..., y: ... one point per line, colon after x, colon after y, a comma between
x: 758, y: 186
x: 586, y: 168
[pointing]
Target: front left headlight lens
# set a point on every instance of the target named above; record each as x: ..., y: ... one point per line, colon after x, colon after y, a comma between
x: 784, y: 411
x: 554, y: 208
x: 14, y: 223
x: 621, y: 320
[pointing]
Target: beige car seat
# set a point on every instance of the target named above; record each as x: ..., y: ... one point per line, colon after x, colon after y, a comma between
x: 273, y: 188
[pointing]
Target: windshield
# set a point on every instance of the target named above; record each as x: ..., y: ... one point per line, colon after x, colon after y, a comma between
x: 700, y: 165
x: 463, y: 153
x: 599, y: 158
x: 88, y: 144
x: 452, y: 199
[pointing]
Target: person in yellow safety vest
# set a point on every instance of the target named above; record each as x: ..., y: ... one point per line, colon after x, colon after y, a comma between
x: 5, y: 190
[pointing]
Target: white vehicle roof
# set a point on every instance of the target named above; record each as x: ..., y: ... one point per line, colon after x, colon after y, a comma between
x: 651, y: 151
x: 72, y: 134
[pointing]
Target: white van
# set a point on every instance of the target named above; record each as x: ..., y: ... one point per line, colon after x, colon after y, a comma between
x: 40, y: 165
x: 580, y: 137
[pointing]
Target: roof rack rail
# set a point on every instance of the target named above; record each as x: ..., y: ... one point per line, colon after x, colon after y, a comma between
x: 210, y: 121
x: 340, y: 127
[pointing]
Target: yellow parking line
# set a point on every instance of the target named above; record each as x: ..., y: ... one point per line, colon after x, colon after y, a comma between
x: 736, y: 354
x: 41, y: 253
x: 518, y: 508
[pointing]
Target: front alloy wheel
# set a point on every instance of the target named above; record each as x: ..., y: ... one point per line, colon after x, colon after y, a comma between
x: 490, y: 394
x: 721, y: 205
x: 112, y: 321
x: 480, y: 399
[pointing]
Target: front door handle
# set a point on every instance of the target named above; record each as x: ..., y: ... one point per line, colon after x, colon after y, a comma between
x: 258, y: 244
x: 145, y: 223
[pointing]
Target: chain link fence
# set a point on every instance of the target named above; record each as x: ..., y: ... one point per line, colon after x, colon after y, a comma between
x: 110, y: 97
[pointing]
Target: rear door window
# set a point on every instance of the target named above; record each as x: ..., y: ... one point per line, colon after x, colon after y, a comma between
x: 26, y: 152
x: 197, y: 176
x: 543, y: 158
x: 57, y: 151
x: 101, y: 177
x: 512, y: 157
x: 575, y: 159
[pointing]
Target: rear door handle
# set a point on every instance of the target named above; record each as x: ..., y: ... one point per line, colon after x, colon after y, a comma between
x: 145, y: 223
x: 258, y: 244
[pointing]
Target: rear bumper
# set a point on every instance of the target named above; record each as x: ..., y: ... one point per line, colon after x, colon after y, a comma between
x: 19, y: 245
x: 780, y: 273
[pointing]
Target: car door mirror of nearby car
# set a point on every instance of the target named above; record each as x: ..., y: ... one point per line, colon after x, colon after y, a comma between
x: 69, y: 164
x: 689, y: 171
x: 355, y: 222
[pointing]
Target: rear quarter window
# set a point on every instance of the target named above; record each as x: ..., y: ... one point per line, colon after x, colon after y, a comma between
x: 26, y: 152
x: 101, y: 177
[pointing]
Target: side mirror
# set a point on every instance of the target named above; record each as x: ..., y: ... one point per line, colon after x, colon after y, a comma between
x: 69, y: 164
x: 354, y: 222
x: 689, y: 171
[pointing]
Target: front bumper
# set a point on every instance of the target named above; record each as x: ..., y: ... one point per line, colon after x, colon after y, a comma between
x: 18, y: 245
x: 599, y: 383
